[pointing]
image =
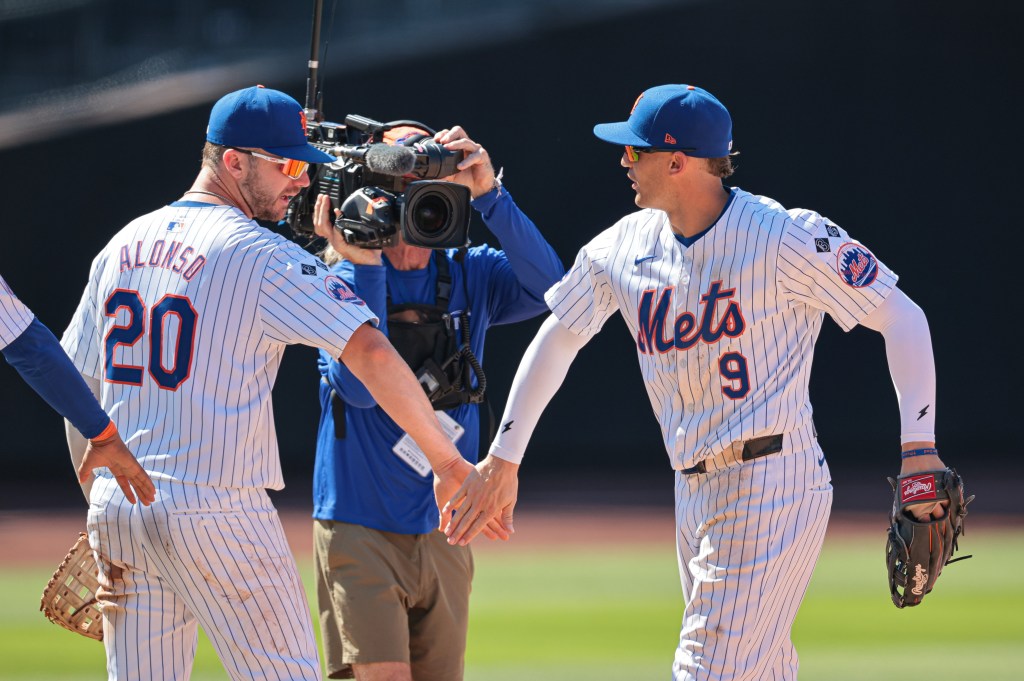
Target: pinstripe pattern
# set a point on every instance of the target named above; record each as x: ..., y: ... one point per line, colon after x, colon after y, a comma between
x: 782, y: 289
x: 213, y: 557
x: 185, y: 319
x: 725, y: 330
x: 251, y: 298
x: 747, y: 542
x: 14, y: 316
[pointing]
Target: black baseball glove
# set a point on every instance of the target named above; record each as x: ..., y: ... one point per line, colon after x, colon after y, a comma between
x: 916, y: 551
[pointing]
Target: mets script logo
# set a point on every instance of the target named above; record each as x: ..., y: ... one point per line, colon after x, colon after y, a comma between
x: 339, y: 291
x: 658, y: 333
x: 917, y: 487
x: 856, y: 265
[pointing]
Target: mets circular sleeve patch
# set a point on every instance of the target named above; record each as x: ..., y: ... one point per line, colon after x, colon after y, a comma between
x: 340, y: 291
x: 857, y: 266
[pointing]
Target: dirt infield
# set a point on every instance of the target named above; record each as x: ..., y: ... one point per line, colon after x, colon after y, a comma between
x: 589, y: 512
x: 34, y: 538
x: 551, y: 513
x: 31, y: 538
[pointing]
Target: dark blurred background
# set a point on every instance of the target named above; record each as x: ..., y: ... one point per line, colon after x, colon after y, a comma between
x: 897, y: 120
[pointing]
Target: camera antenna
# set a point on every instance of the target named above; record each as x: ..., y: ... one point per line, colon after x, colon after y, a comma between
x: 312, y: 112
x: 314, y: 93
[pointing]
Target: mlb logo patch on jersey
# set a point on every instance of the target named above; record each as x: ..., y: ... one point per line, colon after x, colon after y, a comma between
x: 340, y: 292
x: 176, y: 226
x: 856, y: 265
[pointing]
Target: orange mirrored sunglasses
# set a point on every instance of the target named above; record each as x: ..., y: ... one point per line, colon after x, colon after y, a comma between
x: 289, y: 166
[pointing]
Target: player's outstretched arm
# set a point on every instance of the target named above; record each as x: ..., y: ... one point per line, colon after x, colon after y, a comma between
x: 908, y: 349
x: 494, y: 492
x: 385, y: 374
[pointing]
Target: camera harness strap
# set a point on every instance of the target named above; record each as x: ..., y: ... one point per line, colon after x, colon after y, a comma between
x: 464, y: 353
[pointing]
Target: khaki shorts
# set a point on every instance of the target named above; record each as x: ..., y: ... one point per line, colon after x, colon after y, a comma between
x: 387, y: 597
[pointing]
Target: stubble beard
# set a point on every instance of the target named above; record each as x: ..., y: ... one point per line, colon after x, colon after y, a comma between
x: 262, y: 203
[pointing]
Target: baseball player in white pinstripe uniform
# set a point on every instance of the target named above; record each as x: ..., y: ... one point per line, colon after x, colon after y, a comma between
x: 180, y: 331
x: 725, y: 293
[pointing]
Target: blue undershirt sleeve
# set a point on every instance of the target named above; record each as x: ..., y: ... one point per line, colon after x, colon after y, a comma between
x: 38, y: 357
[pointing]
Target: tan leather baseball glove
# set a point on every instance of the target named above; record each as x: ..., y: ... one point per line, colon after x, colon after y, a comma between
x: 69, y: 598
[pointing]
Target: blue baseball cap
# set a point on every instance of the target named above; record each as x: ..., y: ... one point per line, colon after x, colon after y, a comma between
x: 683, y: 117
x: 261, y: 118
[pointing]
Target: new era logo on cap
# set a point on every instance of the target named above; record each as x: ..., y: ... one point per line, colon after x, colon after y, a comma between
x: 683, y: 117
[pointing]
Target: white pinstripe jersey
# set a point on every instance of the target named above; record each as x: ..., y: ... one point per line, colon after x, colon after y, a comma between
x: 185, y: 319
x: 14, y: 316
x: 725, y: 328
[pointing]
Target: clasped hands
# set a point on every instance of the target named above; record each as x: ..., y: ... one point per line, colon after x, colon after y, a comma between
x: 484, y: 503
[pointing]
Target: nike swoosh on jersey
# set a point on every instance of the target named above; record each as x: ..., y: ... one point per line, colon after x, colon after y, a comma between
x: 641, y: 258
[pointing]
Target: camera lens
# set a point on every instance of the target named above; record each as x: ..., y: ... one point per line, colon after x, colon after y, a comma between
x: 436, y: 215
x: 431, y: 214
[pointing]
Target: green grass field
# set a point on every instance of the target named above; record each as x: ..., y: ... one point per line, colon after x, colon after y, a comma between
x: 574, y: 614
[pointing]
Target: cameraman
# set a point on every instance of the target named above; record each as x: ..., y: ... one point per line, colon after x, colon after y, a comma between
x: 393, y: 594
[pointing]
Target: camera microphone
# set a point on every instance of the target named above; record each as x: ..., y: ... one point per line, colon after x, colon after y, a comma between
x: 388, y: 160
x: 381, y: 158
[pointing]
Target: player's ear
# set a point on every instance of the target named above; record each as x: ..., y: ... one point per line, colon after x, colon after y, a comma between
x: 677, y: 161
x: 233, y: 162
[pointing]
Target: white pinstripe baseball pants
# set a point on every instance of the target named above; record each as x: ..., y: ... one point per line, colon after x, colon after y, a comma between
x: 205, y: 556
x: 747, y: 536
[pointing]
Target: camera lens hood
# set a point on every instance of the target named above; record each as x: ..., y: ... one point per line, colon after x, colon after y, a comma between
x: 436, y: 214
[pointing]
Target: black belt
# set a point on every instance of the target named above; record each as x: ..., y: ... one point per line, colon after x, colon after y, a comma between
x: 752, y: 449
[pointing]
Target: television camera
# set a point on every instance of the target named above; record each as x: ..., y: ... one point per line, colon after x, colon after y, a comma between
x: 385, y: 179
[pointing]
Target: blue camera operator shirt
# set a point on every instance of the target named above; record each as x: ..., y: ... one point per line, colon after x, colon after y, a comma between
x: 359, y: 479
